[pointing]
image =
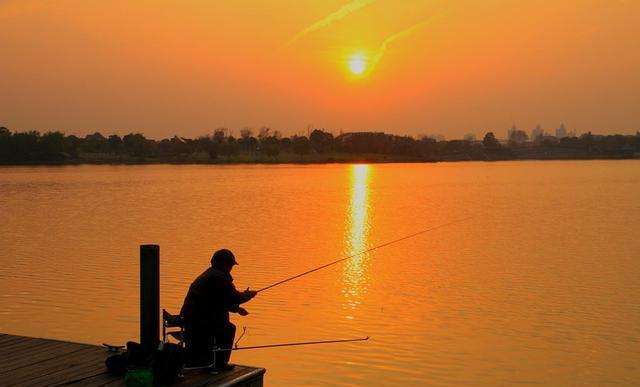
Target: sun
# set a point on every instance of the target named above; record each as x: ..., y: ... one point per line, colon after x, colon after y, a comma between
x: 357, y: 64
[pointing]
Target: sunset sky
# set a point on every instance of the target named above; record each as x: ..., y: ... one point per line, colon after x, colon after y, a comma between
x: 410, y: 67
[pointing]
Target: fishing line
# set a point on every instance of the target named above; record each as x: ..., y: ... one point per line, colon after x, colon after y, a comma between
x: 290, y: 344
x: 364, y: 252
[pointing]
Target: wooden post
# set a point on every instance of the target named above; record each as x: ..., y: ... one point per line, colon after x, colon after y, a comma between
x: 149, y: 296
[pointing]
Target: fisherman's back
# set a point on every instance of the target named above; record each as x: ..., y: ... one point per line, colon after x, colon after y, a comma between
x: 208, y: 298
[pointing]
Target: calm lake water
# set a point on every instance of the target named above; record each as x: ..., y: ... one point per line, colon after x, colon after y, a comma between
x: 541, y: 286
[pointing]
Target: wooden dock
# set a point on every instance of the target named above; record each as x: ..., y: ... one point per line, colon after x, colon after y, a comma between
x: 26, y: 361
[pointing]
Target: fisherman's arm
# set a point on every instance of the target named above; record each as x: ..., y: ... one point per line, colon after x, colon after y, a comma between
x: 240, y: 297
x: 235, y: 298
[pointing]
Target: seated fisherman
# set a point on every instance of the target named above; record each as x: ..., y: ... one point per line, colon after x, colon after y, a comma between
x: 206, y: 311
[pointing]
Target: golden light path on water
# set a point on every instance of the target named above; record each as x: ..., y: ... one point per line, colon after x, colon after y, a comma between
x: 357, y: 228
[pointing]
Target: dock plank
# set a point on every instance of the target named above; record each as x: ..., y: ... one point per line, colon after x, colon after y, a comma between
x: 76, y: 372
x: 238, y: 374
x: 97, y: 380
x: 43, y: 362
x: 49, y: 367
x: 48, y: 351
x: 7, y: 339
x: 249, y: 375
x: 18, y: 342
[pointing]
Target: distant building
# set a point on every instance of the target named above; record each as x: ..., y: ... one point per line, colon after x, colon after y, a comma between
x: 516, y: 136
x: 537, y: 133
x: 561, y: 132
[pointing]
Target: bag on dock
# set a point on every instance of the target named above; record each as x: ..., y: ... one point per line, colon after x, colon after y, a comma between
x: 139, y: 378
x: 133, y: 357
x: 117, y: 364
x: 166, y: 363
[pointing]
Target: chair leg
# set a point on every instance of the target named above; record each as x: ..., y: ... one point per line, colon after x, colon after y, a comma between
x: 215, y: 354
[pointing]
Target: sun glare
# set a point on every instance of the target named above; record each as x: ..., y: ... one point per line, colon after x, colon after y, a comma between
x: 357, y: 64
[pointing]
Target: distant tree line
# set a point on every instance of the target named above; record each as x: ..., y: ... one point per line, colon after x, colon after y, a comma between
x: 267, y: 145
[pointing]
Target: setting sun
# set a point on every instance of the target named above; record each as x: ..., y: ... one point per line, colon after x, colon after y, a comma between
x: 357, y: 64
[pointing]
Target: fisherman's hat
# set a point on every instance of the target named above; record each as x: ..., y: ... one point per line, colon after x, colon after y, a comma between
x: 224, y: 256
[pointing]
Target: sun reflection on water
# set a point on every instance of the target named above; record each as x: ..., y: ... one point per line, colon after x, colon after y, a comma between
x: 357, y: 228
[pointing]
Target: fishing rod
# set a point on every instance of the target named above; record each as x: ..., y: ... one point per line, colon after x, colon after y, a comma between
x: 363, y: 252
x: 291, y: 344
x: 216, y: 350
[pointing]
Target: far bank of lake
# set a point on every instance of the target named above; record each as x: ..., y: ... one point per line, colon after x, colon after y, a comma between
x: 333, y: 158
x: 320, y: 147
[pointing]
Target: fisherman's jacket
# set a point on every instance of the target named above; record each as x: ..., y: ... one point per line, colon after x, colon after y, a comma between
x: 210, y: 299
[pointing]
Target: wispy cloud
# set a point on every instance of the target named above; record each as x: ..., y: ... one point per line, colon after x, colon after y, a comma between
x: 333, y: 17
x: 382, y: 49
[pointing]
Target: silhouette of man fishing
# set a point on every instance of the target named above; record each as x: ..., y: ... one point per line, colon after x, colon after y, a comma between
x: 206, y: 312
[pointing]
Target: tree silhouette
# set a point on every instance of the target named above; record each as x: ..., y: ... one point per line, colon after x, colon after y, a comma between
x: 55, y: 147
x: 321, y: 141
x: 301, y: 145
x: 490, y: 142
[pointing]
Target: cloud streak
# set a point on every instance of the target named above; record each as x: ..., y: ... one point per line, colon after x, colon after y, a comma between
x: 385, y: 43
x: 333, y: 17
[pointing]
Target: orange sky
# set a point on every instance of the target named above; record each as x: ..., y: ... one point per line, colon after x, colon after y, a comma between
x: 437, y: 67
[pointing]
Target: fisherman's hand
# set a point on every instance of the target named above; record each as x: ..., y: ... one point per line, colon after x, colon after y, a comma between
x: 250, y: 293
x: 242, y: 311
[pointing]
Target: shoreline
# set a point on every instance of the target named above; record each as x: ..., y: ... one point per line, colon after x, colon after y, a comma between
x: 320, y: 147
x: 355, y: 160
